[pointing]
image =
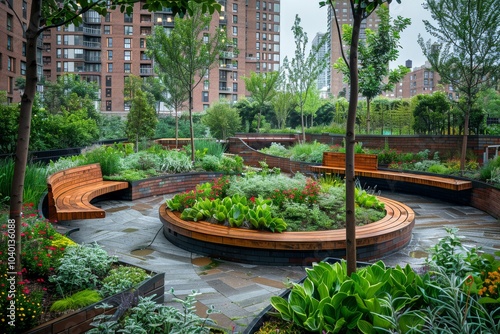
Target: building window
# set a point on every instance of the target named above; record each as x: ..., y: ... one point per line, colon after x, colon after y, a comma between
x: 235, y: 42
x: 126, y: 106
x: 10, y: 85
x: 263, y: 5
x: 9, y: 22
x: 11, y: 64
x: 257, y: 16
x: 108, y: 17
x: 108, y: 80
x: 129, y: 30
x: 264, y: 16
x: 235, y: 87
x: 257, y: 25
x: 127, y: 18
x: 264, y: 37
x: 9, y: 43
x: 107, y: 30
x: 204, y: 96
x: 235, y: 18
x: 108, y: 105
x: 235, y: 76
x: 110, y: 67
x: 235, y: 31
x: 257, y: 5
x: 205, y: 84
x: 110, y: 55
x: 127, y: 55
x: 24, y: 49
x: 127, y: 43
x: 25, y: 9
x: 257, y: 45
x: 142, y: 43
x: 127, y: 67
x: 257, y: 35
x: 108, y: 92
x: 109, y: 42
x: 235, y: 7
x: 205, y: 38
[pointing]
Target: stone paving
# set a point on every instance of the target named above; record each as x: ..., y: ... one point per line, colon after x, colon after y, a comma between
x: 133, y: 232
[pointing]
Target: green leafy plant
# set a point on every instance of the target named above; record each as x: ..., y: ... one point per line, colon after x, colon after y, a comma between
x: 81, y: 267
x: 121, y: 279
x: 163, y: 318
x: 75, y: 301
x: 331, y: 301
x: 108, y: 157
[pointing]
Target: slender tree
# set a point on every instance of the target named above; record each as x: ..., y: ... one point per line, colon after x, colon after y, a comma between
x: 361, y: 9
x: 262, y: 87
x: 141, y: 119
x: 375, y: 52
x: 55, y: 13
x: 222, y: 119
x: 466, y: 53
x: 283, y: 103
x: 303, y: 70
x: 188, y: 52
x: 176, y: 99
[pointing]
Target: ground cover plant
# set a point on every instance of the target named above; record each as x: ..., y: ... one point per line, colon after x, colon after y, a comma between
x: 120, y: 162
x: 57, y: 275
x: 457, y: 291
x: 276, y: 202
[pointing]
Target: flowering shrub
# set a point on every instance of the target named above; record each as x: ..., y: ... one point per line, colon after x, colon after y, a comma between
x: 491, y: 285
x: 308, y: 195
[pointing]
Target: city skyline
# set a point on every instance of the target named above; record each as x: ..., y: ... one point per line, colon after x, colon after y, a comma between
x: 314, y: 20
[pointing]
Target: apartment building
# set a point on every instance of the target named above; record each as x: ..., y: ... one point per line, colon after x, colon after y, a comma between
x: 13, y: 22
x: 108, y: 49
x: 421, y: 80
x: 343, y: 13
x: 322, y: 81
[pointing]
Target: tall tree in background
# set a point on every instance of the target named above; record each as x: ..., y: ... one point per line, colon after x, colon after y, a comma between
x: 361, y: 9
x: 262, y: 87
x: 313, y: 103
x: 467, y: 51
x: 375, y: 53
x: 141, y: 119
x: 283, y: 103
x: 303, y: 70
x: 188, y: 52
x: 176, y: 99
x: 222, y: 119
x: 53, y: 14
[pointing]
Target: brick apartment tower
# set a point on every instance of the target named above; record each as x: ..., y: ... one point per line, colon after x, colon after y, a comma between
x: 108, y: 49
x: 344, y: 15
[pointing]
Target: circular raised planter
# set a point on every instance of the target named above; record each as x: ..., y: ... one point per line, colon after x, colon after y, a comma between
x: 373, y: 241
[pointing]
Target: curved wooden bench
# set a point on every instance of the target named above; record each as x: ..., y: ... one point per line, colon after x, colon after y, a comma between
x: 71, y: 191
x: 366, y: 165
x: 374, y: 240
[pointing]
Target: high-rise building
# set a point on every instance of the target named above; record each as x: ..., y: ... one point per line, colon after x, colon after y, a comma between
x: 108, y: 49
x: 13, y: 22
x: 343, y: 13
x: 322, y: 81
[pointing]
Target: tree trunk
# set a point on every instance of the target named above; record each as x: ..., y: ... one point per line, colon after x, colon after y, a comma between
x: 258, y: 119
x: 367, y: 116
x: 350, y: 140
x: 302, y: 124
x: 176, y: 129
x: 191, y: 127
x: 23, y: 134
x: 465, y: 139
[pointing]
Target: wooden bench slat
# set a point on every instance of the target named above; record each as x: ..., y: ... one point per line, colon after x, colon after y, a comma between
x: 72, y: 190
x: 367, y: 166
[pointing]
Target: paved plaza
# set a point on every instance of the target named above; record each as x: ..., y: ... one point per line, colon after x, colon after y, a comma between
x: 133, y: 232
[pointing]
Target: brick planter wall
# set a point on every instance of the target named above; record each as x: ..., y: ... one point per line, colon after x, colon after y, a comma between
x: 167, y: 184
x: 79, y: 321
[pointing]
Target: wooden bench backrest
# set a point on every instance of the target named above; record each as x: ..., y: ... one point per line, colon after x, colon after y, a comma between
x: 68, y: 179
x: 361, y: 161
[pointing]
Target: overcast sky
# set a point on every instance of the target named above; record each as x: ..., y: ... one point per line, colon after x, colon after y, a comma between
x: 313, y: 20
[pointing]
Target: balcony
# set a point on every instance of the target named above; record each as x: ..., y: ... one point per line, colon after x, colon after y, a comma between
x: 225, y: 89
x: 92, y: 31
x: 146, y: 71
x: 226, y: 66
x: 92, y: 45
x: 227, y: 54
x: 93, y: 59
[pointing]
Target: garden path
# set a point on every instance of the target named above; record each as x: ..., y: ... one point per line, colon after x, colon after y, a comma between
x: 241, y: 291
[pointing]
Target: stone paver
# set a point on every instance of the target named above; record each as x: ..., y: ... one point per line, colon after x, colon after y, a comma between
x: 133, y: 232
